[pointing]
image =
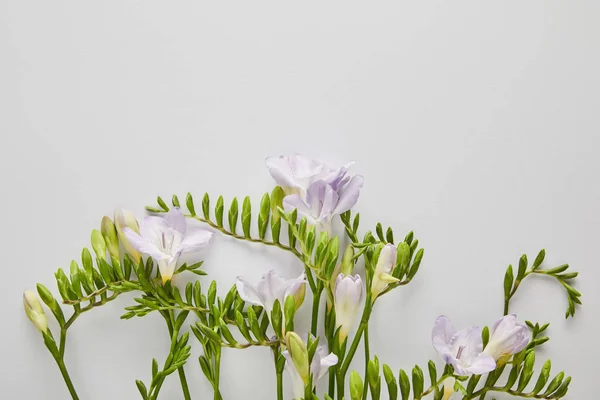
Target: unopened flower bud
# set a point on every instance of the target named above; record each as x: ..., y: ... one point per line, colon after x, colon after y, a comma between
x: 299, y: 295
x: 347, y: 262
x: 35, y: 311
x: 299, y: 354
x: 109, y: 232
x: 125, y: 219
x: 98, y: 244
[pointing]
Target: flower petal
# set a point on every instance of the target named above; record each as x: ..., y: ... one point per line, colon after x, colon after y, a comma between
x: 144, y: 245
x: 280, y: 170
x: 195, y: 240
x: 481, y: 364
x: 326, y: 362
x: 294, y: 201
x: 348, y: 195
x: 248, y: 293
x: 176, y: 220
x: 441, y: 336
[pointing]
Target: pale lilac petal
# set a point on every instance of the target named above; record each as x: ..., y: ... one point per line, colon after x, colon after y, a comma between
x: 248, y: 293
x: 270, y: 288
x: 470, y: 340
x: 176, y: 220
x: 304, y: 167
x: 481, y: 364
x: 348, y: 195
x: 441, y: 337
x: 195, y: 240
x: 329, y: 201
x: 144, y: 245
x: 337, y: 178
x: 294, y: 201
x: 280, y: 170
x: 152, y: 228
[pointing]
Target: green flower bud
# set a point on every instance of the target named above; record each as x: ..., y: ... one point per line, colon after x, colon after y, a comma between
x: 98, y: 244
x: 347, y: 262
x: 109, y: 232
x: 299, y: 354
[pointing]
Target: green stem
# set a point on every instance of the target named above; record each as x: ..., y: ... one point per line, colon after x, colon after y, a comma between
x: 364, y: 321
x: 248, y: 239
x: 367, y: 358
x: 217, y: 371
x: 67, y: 378
x: 315, y: 310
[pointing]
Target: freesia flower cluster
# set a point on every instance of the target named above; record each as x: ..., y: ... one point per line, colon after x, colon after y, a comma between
x: 350, y: 273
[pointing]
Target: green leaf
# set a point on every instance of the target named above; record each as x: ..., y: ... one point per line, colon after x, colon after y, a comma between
x: 233, y: 214
x: 404, y: 385
x: 263, y: 216
x: 389, y: 235
x: 379, y: 231
x: 390, y: 380
x: 162, y: 203
x: 142, y: 388
x: 175, y: 201
x: 415, y: 265
x: 508, y: 281
x: 562, y: 390
x: 189, y: 203
x: 356, y: 386
x: 432, y: 372
x: 242, y: 327
x: 276, y: 318
x: 522, y: 267
x: 246, y: 216
x: 288, y: 312
x: 543, y: 378
x: 527, y: 371
x: 539, y: 259
x: 554, y: 384
x: 417, y: 381
x: 485, y: 335
x: 219, y: 211
x: 51, y: 302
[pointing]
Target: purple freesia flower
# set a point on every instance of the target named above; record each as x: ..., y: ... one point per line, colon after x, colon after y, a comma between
x: 318, y: 191
x: 295, y: 173
x: 323, y: 202
x: 166, y: 239
x: 507, y: 337
x: 462, y: 349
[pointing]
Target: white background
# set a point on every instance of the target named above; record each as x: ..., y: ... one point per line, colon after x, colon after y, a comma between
x: 474, y: 123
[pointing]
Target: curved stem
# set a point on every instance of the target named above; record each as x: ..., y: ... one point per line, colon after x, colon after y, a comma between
x: 248, y: 239
x: 67, y: 378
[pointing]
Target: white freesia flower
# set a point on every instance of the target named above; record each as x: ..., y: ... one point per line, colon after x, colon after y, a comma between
x: 348, y: 295
x: 166, y: 239
x: 507, y: 337
x: 271, y: 287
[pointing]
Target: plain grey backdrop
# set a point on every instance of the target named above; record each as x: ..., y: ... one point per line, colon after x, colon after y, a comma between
x: 474, y: 123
